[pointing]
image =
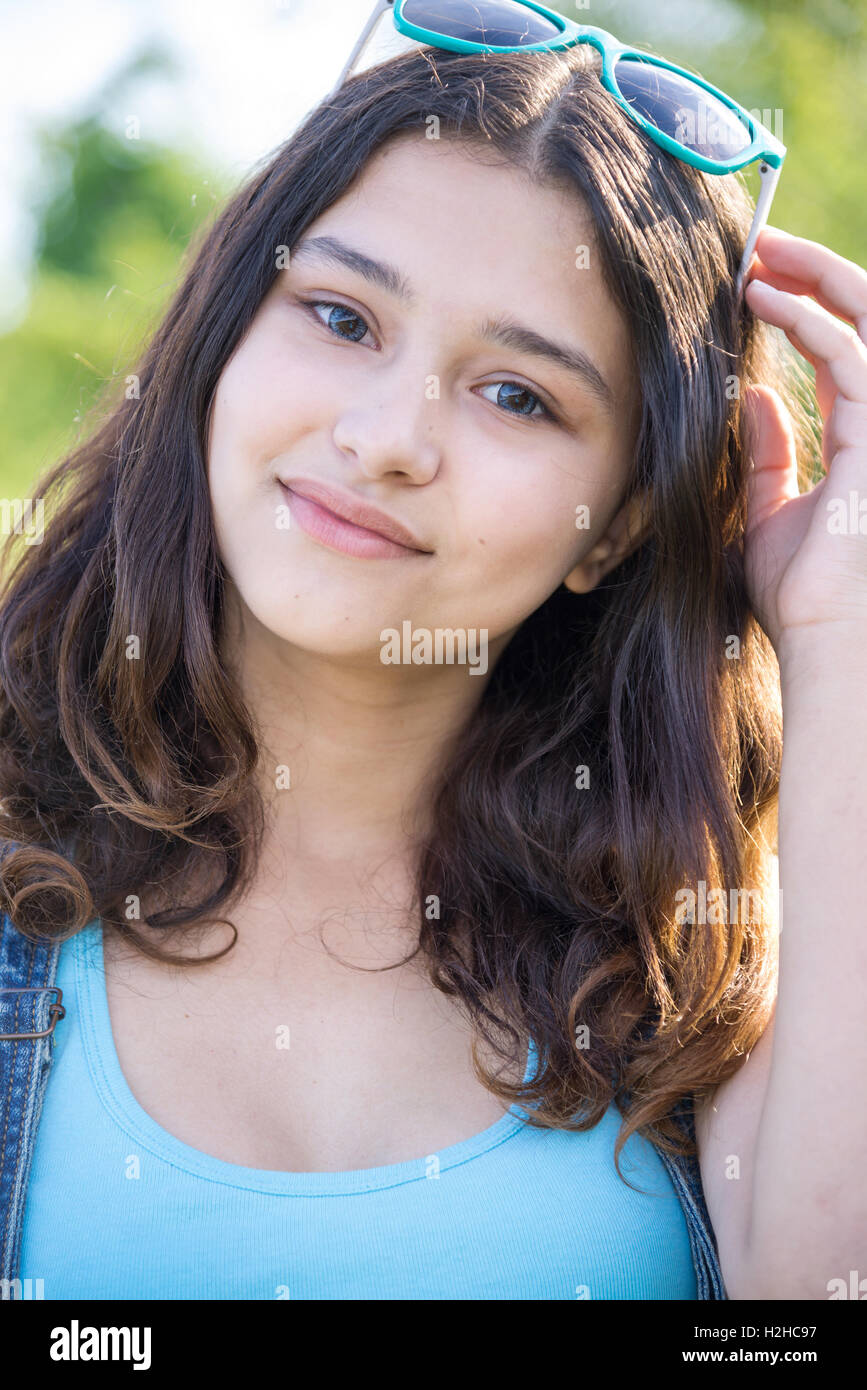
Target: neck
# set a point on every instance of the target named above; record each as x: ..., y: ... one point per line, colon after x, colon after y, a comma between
x: 350, y: 750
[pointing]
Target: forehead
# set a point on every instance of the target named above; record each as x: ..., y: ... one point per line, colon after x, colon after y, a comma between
x: 474, y: 236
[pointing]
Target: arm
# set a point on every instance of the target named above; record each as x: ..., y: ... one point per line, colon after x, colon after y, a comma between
x: 808, y: 1215
x: 796, y: 1113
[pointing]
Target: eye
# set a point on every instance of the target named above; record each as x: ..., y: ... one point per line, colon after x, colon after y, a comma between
x: 343, y: 322
x: 340, y: 319
x: 519, y: 395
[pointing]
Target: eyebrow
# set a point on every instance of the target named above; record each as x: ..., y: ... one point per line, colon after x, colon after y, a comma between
x: 504, y: 331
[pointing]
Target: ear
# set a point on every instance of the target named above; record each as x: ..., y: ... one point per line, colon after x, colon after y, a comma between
x: 627, y: 530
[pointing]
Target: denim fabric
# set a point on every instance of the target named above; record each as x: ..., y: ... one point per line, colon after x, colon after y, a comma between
x: 24, y: 1069
x: 686, y: 1178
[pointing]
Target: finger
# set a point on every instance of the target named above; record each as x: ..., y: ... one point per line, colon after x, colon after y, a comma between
x: 760, y: 270
x: 813, y: 330
x: 845, y: 428
x: 826, y: 391
x: 840, y: 286
x: 847, y: 425
x: 769, y: 440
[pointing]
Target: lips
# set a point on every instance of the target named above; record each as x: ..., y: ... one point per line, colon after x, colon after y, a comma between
x: 356, y: 512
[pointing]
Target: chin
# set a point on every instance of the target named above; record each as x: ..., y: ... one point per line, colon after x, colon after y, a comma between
x: 310, y: 626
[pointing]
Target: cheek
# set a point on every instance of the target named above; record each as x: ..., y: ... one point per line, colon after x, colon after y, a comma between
x: 244, y: 435
x: 254, y: 401
x: 263, y: 404
x: 520, y: 539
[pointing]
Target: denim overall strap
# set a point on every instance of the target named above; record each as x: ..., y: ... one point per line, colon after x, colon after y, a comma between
x: 29, y: 1005
x: 685, y: 1175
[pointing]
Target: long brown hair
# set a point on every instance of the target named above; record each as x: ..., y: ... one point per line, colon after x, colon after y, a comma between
x: 557, y: 906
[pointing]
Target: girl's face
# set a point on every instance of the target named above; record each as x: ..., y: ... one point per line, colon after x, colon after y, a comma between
x: 369, y: 369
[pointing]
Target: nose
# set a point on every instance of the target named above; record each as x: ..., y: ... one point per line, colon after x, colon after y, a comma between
x: 391, y: 423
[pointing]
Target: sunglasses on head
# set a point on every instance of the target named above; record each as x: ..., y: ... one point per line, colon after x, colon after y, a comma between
x: 679, y: 110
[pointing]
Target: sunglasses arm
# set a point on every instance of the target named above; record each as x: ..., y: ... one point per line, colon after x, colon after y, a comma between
x: 364, y: 37
x: 770, y: 177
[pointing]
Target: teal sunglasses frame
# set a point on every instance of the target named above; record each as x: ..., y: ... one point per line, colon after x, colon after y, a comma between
x: 763, y: 144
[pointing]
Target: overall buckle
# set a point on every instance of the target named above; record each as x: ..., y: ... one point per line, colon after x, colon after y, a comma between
x: 57, y: 1011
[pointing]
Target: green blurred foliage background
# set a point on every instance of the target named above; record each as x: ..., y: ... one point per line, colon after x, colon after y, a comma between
x: 116, y: 213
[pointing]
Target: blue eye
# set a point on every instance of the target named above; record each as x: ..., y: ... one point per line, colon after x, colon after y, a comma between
x: 345, y: 316
x: 339, y: 322
x: 519, y: 392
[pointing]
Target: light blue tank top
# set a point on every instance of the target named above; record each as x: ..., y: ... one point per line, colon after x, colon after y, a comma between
x: 117, y: 1208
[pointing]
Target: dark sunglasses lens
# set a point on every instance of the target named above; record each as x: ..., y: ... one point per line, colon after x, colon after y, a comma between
x: 501, y: 23
x: 682, y: 109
